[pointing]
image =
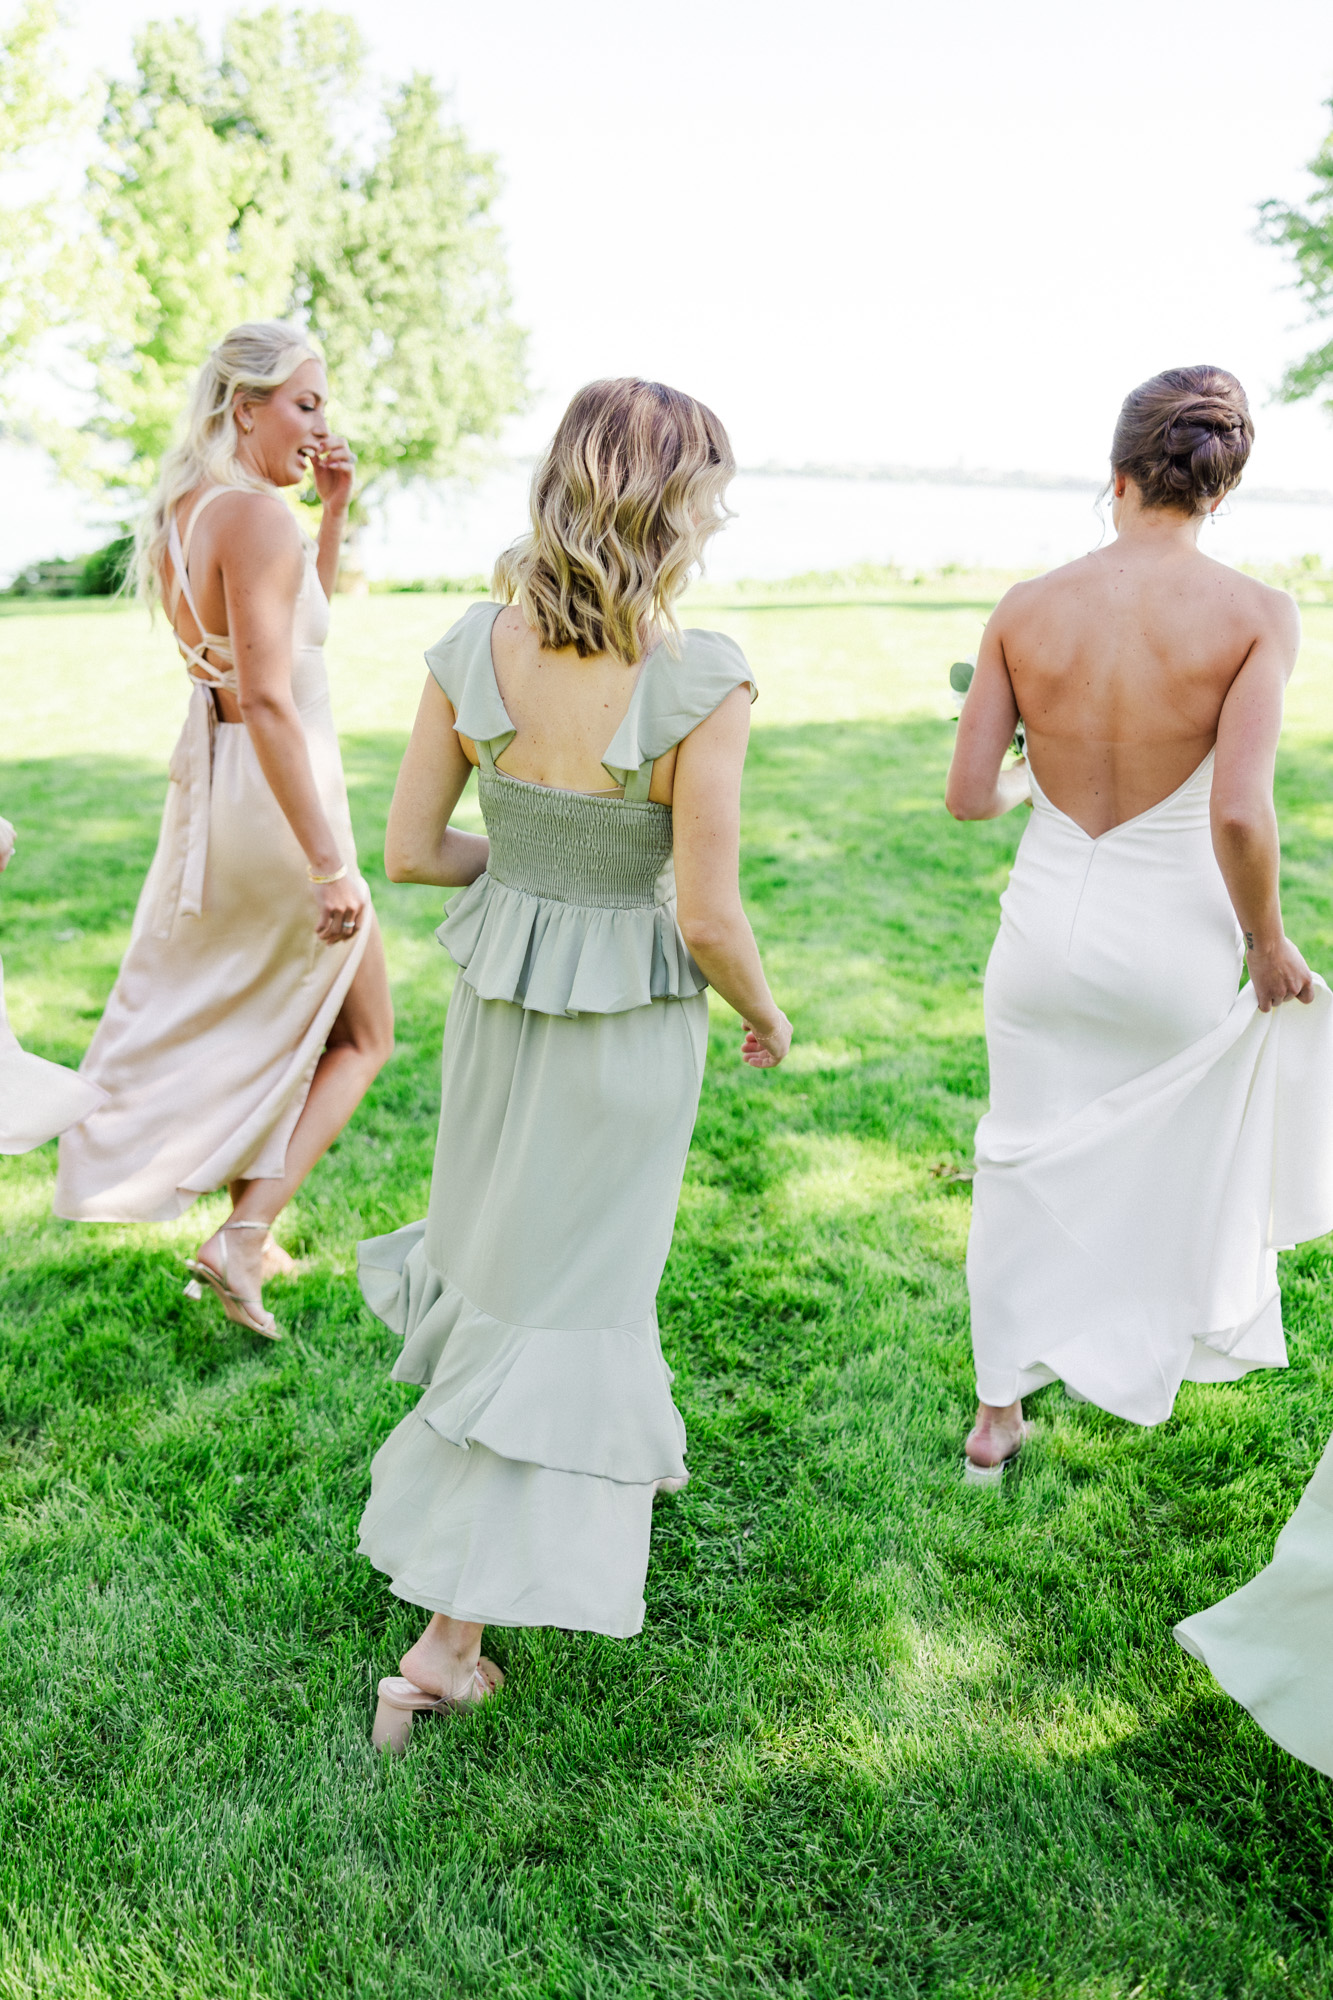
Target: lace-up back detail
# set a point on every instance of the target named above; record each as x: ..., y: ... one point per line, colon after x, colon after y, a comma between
x: 197, y: 665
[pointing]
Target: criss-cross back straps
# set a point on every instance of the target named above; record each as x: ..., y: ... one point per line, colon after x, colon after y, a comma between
x: 199, y: 667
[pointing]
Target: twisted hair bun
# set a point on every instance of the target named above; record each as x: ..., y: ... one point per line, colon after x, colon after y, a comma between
x: 1183, y: 438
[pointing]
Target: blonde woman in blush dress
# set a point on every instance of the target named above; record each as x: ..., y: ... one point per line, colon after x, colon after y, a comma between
x: 1154, y: 1134
x: 608, y: 748
x: 252, y: 1009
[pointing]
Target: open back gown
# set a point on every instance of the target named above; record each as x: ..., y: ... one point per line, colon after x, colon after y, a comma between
x: 1152, y: 1138
x: 519, y: 1490
x: 225, y: 997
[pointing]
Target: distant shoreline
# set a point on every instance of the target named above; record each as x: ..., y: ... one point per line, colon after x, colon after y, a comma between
x: 1045, y: 482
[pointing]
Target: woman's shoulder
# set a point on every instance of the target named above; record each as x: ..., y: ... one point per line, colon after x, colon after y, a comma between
x: 676, y: 691
x: 249, y: 508
x: 240, y: 525
x: 467, y: 640
x: 461, y: 663
x: 681, y: 689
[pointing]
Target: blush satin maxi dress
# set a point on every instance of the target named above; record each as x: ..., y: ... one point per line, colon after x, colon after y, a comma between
x: 38, y: 1099
x: 225, y: 997
x: 1152, y: 1138
x: 519, y: 1489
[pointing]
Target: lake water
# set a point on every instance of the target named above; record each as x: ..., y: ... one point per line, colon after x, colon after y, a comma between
x: 787, y: 523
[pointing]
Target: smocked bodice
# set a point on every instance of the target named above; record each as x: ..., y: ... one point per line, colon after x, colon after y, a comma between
x: 576, y: 912
x: 568, y: 847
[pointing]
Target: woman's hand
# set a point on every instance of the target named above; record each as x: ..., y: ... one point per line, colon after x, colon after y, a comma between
x: 8, y: 838
x: 1278, y: 973
x: 342, y: 905
x: 335, y: 475
x: 765, y: 1049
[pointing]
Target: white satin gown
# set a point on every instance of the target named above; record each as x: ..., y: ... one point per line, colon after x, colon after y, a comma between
x: 1152, y: 1139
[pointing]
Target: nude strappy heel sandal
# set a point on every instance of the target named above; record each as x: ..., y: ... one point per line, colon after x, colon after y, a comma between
x: 249, y: 1313
x: 401, y: 1701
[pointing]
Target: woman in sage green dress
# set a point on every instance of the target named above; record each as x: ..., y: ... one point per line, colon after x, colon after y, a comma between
x: 608, y: 746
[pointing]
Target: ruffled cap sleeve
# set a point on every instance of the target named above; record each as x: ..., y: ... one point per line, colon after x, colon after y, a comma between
x: 461, y: 663
x: 674, y: 694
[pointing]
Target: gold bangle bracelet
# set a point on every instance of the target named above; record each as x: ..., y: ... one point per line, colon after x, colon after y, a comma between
x: 327, y: 878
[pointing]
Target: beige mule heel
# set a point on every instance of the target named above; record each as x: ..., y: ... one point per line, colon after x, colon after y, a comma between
x: 401, y: 1701
x: 249, y: 1313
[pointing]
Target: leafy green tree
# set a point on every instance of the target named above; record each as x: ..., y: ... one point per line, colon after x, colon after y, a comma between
x: 227, y: 190
x: 1306, y: 233
x: 35, y: 111
x: 410, y: 299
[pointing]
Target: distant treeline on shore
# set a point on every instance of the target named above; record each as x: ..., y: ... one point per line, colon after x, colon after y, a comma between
x: 964, y: 475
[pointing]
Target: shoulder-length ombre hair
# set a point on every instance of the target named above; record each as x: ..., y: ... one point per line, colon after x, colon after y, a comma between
x: 623, y: 503
x: 248, y: 364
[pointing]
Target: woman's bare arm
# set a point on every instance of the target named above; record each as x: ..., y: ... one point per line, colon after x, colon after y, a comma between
x: 420, y: 845
x: 262, y: 567
x: 706, y: 815
x: 977, y: 787
x: 1244, y: 824
x: 334, y: 471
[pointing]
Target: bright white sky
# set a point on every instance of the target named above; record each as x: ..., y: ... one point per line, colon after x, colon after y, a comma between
x: 875, y: 231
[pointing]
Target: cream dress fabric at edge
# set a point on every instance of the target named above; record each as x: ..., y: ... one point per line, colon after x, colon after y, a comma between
x: 1152, y: 1139
x: 225, y: 997
x: 1270, y: 1644
x: 519, y: 1490
x: 37, y: 1098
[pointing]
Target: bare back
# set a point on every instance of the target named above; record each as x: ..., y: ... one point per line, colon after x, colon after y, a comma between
x: 565, y: 712
x: 1121, y: 665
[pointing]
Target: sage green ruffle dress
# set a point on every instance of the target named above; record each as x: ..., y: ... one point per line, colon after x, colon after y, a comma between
x: 519, y: 1490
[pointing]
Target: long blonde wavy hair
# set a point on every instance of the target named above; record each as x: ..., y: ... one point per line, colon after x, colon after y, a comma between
x: 250, y: 362
x: 622, y: 505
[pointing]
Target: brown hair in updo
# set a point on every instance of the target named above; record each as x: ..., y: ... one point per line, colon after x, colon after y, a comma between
x: 1183, y: 438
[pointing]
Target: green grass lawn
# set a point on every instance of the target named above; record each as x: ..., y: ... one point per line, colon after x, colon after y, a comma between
x: 882, y: 1734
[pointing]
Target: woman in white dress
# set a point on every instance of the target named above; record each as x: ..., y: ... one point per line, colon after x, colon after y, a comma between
x: 1154, y: 1135
x: 37, y: 1098
x: 252, y: 1010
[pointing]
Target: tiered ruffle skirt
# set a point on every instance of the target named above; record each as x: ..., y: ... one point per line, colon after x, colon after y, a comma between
x: 519, y: 1490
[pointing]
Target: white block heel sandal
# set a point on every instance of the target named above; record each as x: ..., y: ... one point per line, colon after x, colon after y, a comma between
x: 993, y: 1475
